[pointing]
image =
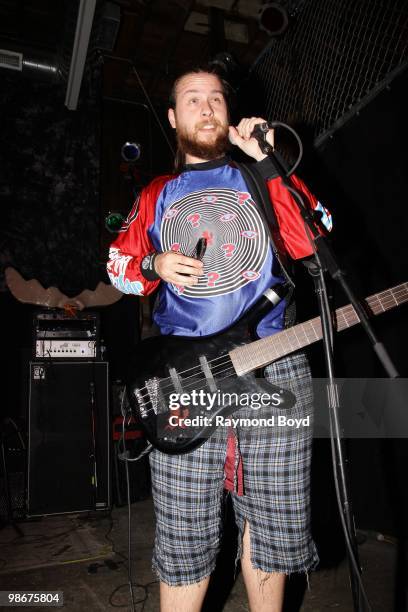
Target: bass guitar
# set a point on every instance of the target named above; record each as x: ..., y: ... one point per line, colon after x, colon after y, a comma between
x: 178, y: 406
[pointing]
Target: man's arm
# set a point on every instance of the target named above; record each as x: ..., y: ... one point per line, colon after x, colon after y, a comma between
x: 133, y: 244
x: 291, y: 225
x: 133, y: 265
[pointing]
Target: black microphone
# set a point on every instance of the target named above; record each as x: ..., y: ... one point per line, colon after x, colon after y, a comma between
x: 263, y: 128
x: 259, y: 133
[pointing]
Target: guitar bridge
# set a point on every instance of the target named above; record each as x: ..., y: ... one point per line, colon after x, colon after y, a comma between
x: 151, y: 397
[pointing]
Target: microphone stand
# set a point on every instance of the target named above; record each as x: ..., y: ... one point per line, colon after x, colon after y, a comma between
x: 94, y: 477
x: 7, y: 492
x: 326, y: 261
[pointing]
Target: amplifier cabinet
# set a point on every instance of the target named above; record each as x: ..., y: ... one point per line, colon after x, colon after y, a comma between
x: 68, y: 437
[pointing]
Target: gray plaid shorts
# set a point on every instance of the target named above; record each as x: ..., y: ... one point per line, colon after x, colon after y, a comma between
x: 188, y: 493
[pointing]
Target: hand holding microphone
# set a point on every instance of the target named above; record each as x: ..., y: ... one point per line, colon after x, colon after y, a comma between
x: 246, y: 134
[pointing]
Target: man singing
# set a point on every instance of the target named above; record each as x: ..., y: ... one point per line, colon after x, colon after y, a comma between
x: 267, y: 473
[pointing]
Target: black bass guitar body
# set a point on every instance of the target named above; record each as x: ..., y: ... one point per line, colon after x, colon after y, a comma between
x: 198, y: 371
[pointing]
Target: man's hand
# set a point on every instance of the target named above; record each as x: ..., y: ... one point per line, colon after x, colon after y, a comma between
x: 241, y: 137
x: 178, y: 269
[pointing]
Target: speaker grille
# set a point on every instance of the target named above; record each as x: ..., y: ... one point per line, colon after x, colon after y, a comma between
x: 69, y: 437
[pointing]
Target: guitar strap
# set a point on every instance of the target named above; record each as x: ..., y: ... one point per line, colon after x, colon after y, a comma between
x: 260, y: 194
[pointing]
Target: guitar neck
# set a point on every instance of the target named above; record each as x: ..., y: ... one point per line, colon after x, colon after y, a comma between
x: 261, y: 352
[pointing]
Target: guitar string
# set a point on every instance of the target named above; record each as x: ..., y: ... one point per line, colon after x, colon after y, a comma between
x: 198, y: 378
x: 147, y: 409
x: 198, y: 374
x: 167, y: 382
x: 345, y: 311
x: 198, y: 368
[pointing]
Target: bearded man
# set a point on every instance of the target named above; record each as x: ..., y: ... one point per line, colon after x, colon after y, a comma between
x: 266, y: 473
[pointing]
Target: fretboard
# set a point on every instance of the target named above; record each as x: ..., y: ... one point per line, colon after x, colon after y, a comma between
x: 261, y: 352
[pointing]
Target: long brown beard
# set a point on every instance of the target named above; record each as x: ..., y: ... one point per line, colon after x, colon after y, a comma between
x: 190, y: 145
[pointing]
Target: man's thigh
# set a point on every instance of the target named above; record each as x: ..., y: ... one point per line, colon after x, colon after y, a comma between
x: 187, y: 492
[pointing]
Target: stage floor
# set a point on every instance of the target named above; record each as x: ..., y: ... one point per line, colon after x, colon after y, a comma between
x: 85, y: 557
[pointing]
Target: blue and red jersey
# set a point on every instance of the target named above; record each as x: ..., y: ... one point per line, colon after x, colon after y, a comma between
x: 209, y: 200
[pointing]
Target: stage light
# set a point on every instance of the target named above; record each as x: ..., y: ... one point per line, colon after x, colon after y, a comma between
x: 227, y: 67
x: 273, y: 19
x: 114, y: 221
x: 131, y: 152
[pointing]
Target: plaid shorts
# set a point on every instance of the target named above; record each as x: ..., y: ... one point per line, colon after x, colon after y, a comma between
x: 188, y: 492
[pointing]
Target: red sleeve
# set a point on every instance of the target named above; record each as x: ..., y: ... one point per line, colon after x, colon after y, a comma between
x: 133, y: 243
x: 291, y: 225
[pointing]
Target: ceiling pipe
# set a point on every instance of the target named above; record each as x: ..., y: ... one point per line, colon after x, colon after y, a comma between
x: 25, y: 60
x: 40, y: 66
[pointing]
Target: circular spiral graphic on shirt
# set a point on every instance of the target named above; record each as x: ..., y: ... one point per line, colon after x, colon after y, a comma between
x: 237, y: 243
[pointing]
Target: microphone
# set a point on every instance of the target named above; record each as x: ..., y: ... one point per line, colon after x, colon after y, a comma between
x: 259, y: 133
x: 263, y: 128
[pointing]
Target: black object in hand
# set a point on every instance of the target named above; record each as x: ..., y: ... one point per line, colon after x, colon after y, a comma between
x: 200, y: 249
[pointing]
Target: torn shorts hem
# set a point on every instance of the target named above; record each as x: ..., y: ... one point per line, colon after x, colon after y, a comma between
x: 288, y: 571
x: 184, y: 580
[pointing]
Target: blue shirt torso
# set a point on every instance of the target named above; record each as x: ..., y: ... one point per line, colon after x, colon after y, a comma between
x: 212, y: 201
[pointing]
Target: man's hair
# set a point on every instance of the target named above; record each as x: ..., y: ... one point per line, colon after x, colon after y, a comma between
x: 226, y: 87
x: 227, y: 90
